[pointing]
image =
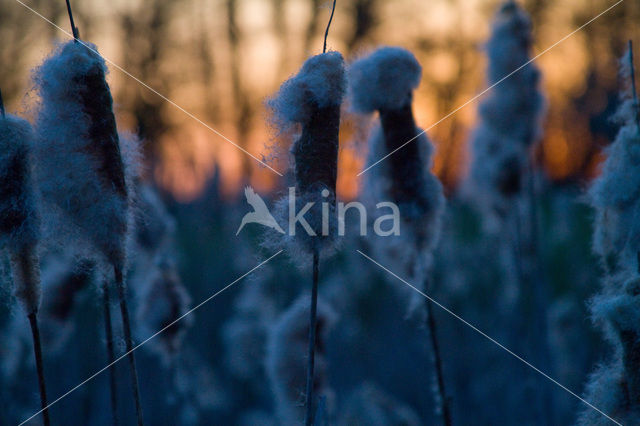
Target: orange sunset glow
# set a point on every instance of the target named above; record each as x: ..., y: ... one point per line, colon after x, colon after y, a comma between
x: 220, y: 60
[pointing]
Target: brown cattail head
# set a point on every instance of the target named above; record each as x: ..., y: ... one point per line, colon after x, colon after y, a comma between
x: 312, y: 99
x: 316, y: 151
x: 84, y: 167
x: 384, y: 81
x: 310, y: 102
x: 19, y: 220
x: 406, y: 166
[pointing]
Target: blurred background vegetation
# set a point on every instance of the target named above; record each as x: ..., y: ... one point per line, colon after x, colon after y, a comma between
x: 219, y: 59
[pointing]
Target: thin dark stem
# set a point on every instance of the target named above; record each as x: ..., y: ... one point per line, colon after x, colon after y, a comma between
x: 126, y: 325
x: 108, y: 328
x: 74, y: 29
x: 37, y: 350
x: 2, y: 106
x: 633, y: 84
x: 443, y: 398
x: 313, y: 317
x: 326, y: 32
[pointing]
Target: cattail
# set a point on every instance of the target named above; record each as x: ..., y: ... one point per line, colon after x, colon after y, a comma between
x: 384, y: 81
x: 370, y: 405
x: 510, y: 117
x: 503, y: 178
x: 311, y: 100
x: 285, y: 359
x: 165, y: 300
x: 615, y: 387
x: 84, y: 168
x: 20, y: 227
x: 615, y: 194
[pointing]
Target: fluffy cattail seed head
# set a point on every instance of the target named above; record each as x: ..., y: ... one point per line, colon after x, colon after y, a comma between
x: 19, y: 220
x: 515, y: 106
x: 384, y: 81
x: 616, y: 387
x: 311, y: 102
x: 312, y: 99
x: 510, y: 117
x: 615, y: 193
x: 83, y: 166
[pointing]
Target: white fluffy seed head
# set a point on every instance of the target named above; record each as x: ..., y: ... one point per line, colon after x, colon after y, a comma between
x: 319, y: 84
x: 310, y: 102
x: 84, y: 169
x: 515, y: 106
x: 607, y: 391
x: 496, y: 173
x: 509, y: 118
x: 297, y: 240
x: 615, y: 193
x: 384, y: 79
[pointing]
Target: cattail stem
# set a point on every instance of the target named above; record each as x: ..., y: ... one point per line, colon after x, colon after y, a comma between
x: 126, y: 325
x: 2, y: 106
x: 74, y: 29
x: 37, y: 350
x: 442, y: 399
x: 108, y: 328
x: 308, y: 421
x: 632, y: 71
x: 326, y: 32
